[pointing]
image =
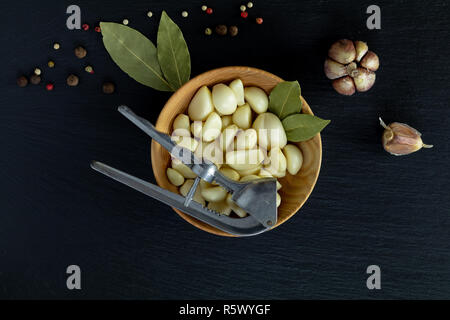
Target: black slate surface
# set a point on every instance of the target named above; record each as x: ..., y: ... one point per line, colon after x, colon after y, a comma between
x: 367, y: 208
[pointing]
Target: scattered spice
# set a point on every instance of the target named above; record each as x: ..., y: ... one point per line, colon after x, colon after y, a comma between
x: 209, y: 11
x: 149, y: 14
x: 221, y: 30
x: 400, y: 139
x: 56, y: 46
x: 80, y: 52
x: 51, y: 64
x: 49, y: 87
x: 108, y: 87
x: 89, y: 69
x: 244, y: 14
x: 22, y: 81
x: 184, y: 14
x: 259, y: 20
x: 250, y: 5
x: 125, y: 22
x: 35, y: 79
x: 208, y: 31
x: 98, y: 29
x: 243, y: 8
x: 37, y: 71
x: 204, y: 8
x: 233, y: 30
x: 72, y: 80
x: 85, y: 27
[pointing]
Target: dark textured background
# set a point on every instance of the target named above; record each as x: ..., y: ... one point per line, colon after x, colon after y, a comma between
x: 367, y: 208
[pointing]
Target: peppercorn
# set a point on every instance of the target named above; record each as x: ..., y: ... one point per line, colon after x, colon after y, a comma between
x: 204, y: 8
x: 149, y: 14
x: 208, y: 31
x: 37, y: 71
x: 51, y: 64
x: 209, y: 11
x: 125, y: 22
x: 35, y: 79
x: 85, y: 27
x: 89, y: 69
x: 98, y: 29
x: 72, y: 80
x: 184, y: 14
x: 259, y: 20
x: 221, y: 29
x: 243, y: 8
x: 108, y: 87
x: 80, y: 52
x: 56, y: 46
x: 22, y: 81
x: 244, y: 14
x: 49, y: 86
x: 250, y: 5
x: 233, y: 31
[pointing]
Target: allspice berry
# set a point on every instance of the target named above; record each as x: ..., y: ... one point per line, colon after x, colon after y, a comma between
x: 80, y: 52
x: 72, y: 80
x: 221, y: 30
x: 35, y: 79
x: 108, y: 87
x: 22, y: 81
x: 233, y: 30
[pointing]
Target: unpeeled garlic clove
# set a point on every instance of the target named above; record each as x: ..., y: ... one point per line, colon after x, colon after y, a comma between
x: 342, y: 51
x: 400, y: 139
x: 361, y: 50
x: 364, y: 80
x: 344, y: 86
x: 371, y: 61
x: 334, y: 70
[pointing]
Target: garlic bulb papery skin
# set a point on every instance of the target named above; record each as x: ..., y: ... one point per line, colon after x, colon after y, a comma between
x: 400, y: 139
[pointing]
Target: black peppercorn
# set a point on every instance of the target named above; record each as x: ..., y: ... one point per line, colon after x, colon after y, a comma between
x: 22, y: 81
x: 221, y: 29
x: 108, y: 87
x: 233, y: 31
x: 72, y: 80
x: 80, y: 52
x: 35, y: 79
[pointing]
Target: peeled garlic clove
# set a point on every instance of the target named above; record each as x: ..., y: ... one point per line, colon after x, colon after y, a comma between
x: 186, y: 142
x: 230, y: 173
x: 242, y: 117
x: 371, y: 61
x: 294, y: 158
x: 175, y: 177
x: 342, y: 51
x: 249, y: 178
x: 361, y: 49
x: 212, y: 127
x: 201, y: 105
x: 278, y: 163
x: 240, y: 212
x: 184, y: 190
x: 227, y: 136
x: 246, y: 139
x: 270, y: 131
x: 214, y: 194
x: 183, y: 169
x: 213, y: 152
x: 364, y: 80
x: 400, y: 139
x: 243, y: 172
x: 244, y: 160
x: 257, y: 99
x: 278, y: 199
x: 344, y: 86
x: 226, y: 121
x: 197, y: 129
x: 224, y: 99
x: 238, y: 88
x: 181, y: 122
x: 334, y: 70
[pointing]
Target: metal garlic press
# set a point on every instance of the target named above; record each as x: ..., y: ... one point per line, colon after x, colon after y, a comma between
x: 257, y: 197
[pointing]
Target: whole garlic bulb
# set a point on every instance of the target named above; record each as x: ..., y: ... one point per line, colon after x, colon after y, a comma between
x: 341, y: 66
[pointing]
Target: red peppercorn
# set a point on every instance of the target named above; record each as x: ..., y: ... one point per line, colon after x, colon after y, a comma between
x: 49, y: 86
x: 259, y: 20
x: 85, y: 27
x: 97, y: 29
x: 244, y: 14
x: 209, y: 11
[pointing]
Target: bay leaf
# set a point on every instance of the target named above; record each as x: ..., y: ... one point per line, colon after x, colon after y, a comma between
x: 302, y: 127
x: 284, y: 99
x: 135, y: 54
x: 173, y: 52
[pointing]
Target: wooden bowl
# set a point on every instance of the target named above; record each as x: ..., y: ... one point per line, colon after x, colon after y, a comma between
x: 296, y: 189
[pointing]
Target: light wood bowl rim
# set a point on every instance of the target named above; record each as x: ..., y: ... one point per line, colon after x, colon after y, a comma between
x: 155, y: 147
